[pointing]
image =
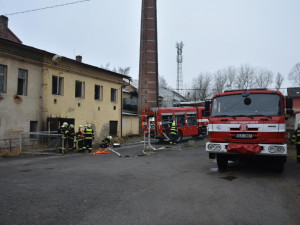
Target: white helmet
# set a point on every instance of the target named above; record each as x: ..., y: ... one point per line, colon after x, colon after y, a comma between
x: 65, y: 124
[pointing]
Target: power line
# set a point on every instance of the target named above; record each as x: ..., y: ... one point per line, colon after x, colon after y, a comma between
x: 48, y: 7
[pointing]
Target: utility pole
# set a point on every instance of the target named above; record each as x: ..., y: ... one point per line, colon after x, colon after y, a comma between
x: 179, y: 47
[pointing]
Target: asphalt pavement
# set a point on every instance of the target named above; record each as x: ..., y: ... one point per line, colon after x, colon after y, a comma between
x: 174, y: 185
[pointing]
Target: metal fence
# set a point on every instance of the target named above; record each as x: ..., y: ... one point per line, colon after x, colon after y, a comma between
x: 9, y: 144
x: 39, y: 142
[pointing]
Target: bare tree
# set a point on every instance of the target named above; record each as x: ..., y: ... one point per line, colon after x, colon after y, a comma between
x: 230, y: 72
x: 279, y: 81
x: 162, y: 82
x: 220, y: 79
x: 245, y: 77
x: 263, y: 78
x: 200, y: 87
x: 294, y: 75
x: 124, y: 71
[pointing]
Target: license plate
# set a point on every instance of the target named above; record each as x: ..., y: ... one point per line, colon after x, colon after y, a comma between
x: 243, y: 135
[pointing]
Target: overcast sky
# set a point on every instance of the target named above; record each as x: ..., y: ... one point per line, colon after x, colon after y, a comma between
x: 215, y: 33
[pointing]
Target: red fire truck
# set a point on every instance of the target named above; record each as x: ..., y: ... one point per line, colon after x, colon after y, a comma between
x: 248, y: 123
x: 190, y: 122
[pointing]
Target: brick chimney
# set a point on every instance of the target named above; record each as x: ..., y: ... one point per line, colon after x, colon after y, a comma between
x: 148, y: 69
x: 3, y: 27
x: 79, y: 58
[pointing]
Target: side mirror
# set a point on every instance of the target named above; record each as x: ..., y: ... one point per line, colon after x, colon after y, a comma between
x: 207, y: 106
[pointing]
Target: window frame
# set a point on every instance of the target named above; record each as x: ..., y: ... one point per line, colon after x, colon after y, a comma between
x: 24, y: 83
x: 114, y: 97
x: 4, y: 75
x: 98, y: 92
x: 59, y: 85
x: 82, y: 89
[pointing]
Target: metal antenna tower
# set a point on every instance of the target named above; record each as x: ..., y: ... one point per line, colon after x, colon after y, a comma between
x: 179, y: 47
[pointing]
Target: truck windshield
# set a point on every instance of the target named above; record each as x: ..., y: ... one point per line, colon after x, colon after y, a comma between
x: 234, y: 106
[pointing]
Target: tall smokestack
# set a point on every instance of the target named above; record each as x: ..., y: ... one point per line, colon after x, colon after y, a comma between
x: 148, y: 71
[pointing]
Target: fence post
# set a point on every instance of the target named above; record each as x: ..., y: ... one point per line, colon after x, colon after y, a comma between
x: 21, y: 142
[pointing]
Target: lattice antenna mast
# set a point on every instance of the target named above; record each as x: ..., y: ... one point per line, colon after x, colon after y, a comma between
x: 179, y: 47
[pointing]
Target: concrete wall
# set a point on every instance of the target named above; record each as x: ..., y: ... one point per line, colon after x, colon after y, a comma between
x: 84, y: 110
x: 15, y: 117
x: 130, y: 125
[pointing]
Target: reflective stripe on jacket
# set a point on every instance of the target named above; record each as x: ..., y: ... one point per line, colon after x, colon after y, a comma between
x: 173, y: 130
x: 296, y: 136
x: 88, y: 133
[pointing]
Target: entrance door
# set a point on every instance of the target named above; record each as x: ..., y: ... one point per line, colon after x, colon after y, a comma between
x: 113, y: 128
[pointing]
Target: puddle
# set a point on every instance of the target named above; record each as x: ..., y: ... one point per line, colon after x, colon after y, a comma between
x: 213, y: 169
x: 230, y: 178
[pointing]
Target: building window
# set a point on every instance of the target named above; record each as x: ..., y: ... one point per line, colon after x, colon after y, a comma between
x: 79, y: 89
x: 3, y: 71
x: 57, y: 85
x: 114, y: 95
x: 33, y: 128
x: 98, y: 92
x: 22, y: 82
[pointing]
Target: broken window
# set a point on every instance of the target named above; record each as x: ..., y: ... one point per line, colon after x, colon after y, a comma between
x: 22, y: 82
x: 3, y: 70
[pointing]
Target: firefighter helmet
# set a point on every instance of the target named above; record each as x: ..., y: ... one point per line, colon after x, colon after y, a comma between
x: 173, y: 124
x: 71, y: 125
x: 65, y: 124
x: 109, y: 137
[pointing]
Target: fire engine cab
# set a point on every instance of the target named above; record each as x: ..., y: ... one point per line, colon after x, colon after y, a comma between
x: 248, y: 123
x: 190, y: 122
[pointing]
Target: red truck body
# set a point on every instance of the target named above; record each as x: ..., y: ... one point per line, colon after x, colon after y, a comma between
x: 190, y: 122
x: 247, y: 123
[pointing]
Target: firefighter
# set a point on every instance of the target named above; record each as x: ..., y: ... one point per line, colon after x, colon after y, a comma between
x: 80, y: 138
x: 173, y: 134
x: 71, y: 137
x: 106, y: 142
x: 296, y: 140
x: 88, y: 137
x: 65, y: 131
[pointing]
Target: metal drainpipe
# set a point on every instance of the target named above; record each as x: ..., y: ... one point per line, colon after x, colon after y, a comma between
x: 121, y: 111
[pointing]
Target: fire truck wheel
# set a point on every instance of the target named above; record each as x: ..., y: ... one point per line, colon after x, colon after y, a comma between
x: 179, y: 137
x: 279, y: 165
x: 222, y: 161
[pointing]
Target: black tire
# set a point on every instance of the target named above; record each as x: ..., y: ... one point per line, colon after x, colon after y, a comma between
x: 279, y: 165
x: 179, y: 137
x: 222, y: 161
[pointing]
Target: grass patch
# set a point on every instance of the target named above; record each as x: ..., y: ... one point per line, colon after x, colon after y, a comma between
x: 7, y: 153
